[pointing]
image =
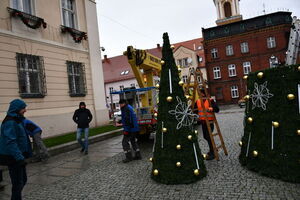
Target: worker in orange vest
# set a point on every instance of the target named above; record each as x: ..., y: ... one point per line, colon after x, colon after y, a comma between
x: 210, y: 108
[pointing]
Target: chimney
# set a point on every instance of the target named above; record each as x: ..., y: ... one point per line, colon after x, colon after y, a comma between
x: 158, y: 46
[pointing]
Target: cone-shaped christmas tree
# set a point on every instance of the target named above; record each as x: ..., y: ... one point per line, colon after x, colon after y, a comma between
x: 271, y: 141
x: 177, y: 158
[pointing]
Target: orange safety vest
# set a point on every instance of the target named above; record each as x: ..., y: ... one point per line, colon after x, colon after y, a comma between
x: 209, y: 114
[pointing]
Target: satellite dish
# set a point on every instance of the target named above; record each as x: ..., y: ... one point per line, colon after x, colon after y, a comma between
x: 189, y: 60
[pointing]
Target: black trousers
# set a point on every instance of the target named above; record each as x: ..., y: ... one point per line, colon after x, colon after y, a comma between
x: 206, y: 134
x: 130, y: 137
x: 18, y: 178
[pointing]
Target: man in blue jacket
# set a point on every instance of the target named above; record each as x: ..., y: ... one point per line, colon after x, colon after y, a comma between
x: 15, y: 146
x: 130, y: 129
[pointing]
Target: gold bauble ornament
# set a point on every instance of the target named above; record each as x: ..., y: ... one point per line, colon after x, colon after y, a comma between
x: 204, y: 156
x: 298, y: 132
x: 178, y: 147
x: 275, y: 124
x: 255, y: 153
x: 250, y: 120
x: 247, y: 97
x: 169, y: 98
x: 151, y: 159
x: 155, y: 172
x: 162, y: 62
x: 187, y: 96
x: 291, y: 97
x: 155, y: 114
x: 196, y: 172
x: 241, y: 143
x: 245, y: 77
x: 157, y: 85
x: 181, y: 83
x: 190, y: 137
x: 172, y: 47
x: 179, y: 70
x: 260, y: 74
x: 299, y: 68
x: 178, y: 164
x: 196, y: 132
x: 164, y: 130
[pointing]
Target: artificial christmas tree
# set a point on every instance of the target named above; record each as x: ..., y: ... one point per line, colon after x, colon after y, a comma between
x: 177, y: 158
x: 270, y: 144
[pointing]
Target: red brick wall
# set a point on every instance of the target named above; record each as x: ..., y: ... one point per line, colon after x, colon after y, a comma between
x: 258, y: 56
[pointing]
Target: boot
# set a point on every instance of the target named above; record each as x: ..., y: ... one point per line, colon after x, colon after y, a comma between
x: 137, y: 155
x: 128, y: 157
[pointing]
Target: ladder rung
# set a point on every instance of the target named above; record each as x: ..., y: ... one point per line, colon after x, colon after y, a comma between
x: 215, y: 134
x: 219, y: 147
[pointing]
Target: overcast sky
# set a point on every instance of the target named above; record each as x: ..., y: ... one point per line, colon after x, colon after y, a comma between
x: 141, y: 23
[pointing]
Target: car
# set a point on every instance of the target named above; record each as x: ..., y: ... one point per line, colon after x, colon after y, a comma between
x: 242, y: 103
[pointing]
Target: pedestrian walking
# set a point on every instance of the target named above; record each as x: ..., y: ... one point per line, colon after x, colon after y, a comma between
x: 130, y: 129
x: 15, y: 147
x: 82, y: 117
x: 201, y: 120
x: 40, y: 152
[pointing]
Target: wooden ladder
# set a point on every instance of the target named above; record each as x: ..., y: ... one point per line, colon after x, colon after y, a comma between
x: 199, y: 83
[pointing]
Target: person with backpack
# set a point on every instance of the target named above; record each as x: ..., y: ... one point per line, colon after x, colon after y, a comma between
x: 15, y: 146
x: 39, y: 148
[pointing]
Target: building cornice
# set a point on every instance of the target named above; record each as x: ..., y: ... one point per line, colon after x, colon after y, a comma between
x: 41, y: 41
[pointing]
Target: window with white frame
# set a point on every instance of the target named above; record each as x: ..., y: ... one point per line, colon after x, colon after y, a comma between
x: 234, y: 91
x: 214, y: 53
x: 231, y: 70
x: 68, y: 13
x: 217, y: 72
x: 24, y: 6
x: 271, y: 42
x: 244, y: 47
x: 183, y: 62
x: 111, y: 89
x: 229, y: 50
x: 77, y: 82
x: 132, y: 85
x: 184, y: 79
x: 31, y: 74
x: 273, y: 61
x: 247, y: 67
x: 121, y: 87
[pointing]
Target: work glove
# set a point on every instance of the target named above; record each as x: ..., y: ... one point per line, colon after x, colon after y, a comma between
x: 125, y: 133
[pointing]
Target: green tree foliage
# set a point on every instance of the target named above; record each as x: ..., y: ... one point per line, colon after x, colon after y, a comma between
x: 166, y: 155
x: 283, y: 161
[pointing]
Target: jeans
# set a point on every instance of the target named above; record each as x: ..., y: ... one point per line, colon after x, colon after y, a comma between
x: 18, y: 179
x: 86, y: 137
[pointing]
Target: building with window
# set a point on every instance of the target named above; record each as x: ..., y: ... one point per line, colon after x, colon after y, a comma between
x: 50, y: 59
x: 234, y: 49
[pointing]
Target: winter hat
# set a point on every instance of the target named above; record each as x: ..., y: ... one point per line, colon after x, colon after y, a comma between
x: 16, y: 105
x: 82, y: 104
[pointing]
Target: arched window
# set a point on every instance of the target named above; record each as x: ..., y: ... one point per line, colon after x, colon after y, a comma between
x: 227, y: 9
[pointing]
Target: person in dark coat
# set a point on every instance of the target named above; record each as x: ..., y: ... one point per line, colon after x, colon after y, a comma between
x: 82, y: 117
x: 130, y: 129
x: 15, y: 147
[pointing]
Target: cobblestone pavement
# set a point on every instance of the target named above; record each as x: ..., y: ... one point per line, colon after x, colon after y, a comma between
x: 111, y: 179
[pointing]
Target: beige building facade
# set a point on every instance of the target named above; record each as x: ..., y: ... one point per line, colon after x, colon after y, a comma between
x: 50, y: 58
